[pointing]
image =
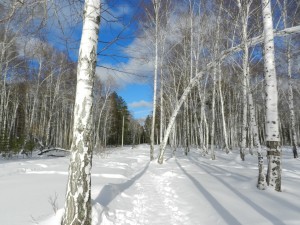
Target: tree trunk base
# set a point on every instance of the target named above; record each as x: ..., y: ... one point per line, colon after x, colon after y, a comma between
x: 242, y: 154
x: 274, y: 169
x: 261, y: 182
x: 295, y: 152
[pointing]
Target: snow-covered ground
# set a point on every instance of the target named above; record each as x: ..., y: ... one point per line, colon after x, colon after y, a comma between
x: 128, y: 190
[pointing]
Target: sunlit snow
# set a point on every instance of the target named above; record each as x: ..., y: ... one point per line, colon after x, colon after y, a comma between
x: 128, y: 190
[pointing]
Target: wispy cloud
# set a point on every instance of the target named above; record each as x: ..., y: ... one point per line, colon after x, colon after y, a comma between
x: 113, y: 15
x: 141, y: 104
x: 133, y: 72
x: 141, y: 115
x: 138, y: 69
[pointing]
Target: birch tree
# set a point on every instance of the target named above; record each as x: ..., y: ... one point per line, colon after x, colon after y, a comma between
x: 290, y: 88
x: 209, y: 65
x: 272, y: 120
x: 78, y: 198
x: 156, y: 5
x: 244, y: 11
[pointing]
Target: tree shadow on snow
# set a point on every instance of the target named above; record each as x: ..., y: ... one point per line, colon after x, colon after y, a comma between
x: 237, y: 176
x: 110, y: 191
x: 223, y: 212
x: 269, y: 216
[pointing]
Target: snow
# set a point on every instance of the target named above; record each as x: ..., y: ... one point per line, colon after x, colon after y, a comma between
x: 129, y: 190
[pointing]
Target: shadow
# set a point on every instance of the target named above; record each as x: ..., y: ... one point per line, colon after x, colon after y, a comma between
x: 223, y: 212
x: 110, y: 191
x: 233, y: 174
x: 256, y: 207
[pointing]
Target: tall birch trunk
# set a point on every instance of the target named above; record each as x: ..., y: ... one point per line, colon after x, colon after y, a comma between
x: 122, y: 131
x: 291, y: 104
x: 156, y: 4
x: 290, y: 89
x: 245, y: 102
x: 213, y: 114
x: 161, y: 129
x: 193, y: 82
x: 222, y: 111
x: 173, y: 116
x: 215, y: 66
x: 272, y: 120
x: 78, y: 198
x: 244, y: 9
x: 261, y: 181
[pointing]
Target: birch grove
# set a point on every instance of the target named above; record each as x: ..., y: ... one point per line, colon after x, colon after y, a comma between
x: 38, y: 89
x: 253, y: 131
x: 212, y: 62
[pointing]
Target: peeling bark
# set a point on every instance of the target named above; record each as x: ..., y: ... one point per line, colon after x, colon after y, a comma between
x: 78, y: 198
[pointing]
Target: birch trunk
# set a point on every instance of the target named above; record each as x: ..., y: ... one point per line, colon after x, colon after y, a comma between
x: 261, y: 181
x: 272, y: 120
x: 193, y: 82
x: 212, y: 134
x: 290, y: 89
x: 216, y: 64
x: 244, y: 102
x: 222, y: 111
x: 156, y: 4
x: 122, y: 131
x: 244, y: 10
x: 161, y: 129
x: 78, y: 198
x: 291, y: 104
x: 173, y: 117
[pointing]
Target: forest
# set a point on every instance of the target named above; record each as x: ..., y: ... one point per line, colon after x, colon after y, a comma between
x: 38, y: 81
x: 225, y: 75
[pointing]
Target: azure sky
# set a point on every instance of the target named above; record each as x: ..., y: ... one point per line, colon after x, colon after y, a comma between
x: 118, y: 60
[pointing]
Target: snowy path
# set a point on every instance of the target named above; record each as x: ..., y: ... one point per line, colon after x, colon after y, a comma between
x: 148, y: 196
x: 195, y: 190
x: 153, y: 201
x: 128, y: 190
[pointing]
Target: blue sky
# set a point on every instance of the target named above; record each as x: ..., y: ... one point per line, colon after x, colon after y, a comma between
x: 139, y: 99
x: 132, y: 77
x: 134, y: 85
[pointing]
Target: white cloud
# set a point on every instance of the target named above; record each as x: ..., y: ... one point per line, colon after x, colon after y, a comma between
x: 138, y: 70
x: 113, y: 15
x: 135, y: 71
x: 140, y: 104
x: 141, y: 115
x: 122, y: 10
x: 31, y: 47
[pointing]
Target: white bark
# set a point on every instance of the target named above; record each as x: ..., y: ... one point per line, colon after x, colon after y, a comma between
x: 244, y: 10
x: 122, y: 131
x: 261, y: 181
x: 173, y: 116
x: 216, y: 65
x: 212, y: 134
x: 290, y: 89
x: 193, y: 82
x: 161, y: 130
x: 291, y: 104
x: 272, y: 120
x: 156, y: 5
x: 78, y: 197
x: 222, y: 110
